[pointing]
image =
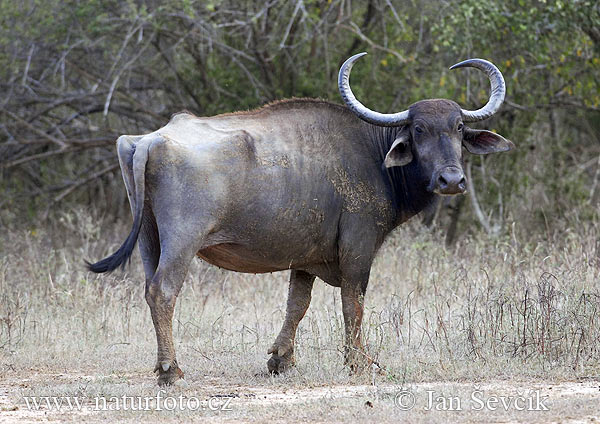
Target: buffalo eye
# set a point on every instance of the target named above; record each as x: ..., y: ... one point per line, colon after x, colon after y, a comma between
x: 460, y: 127
x: 418, y: 129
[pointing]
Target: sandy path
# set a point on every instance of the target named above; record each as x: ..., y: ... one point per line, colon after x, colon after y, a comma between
x: 216, y: 400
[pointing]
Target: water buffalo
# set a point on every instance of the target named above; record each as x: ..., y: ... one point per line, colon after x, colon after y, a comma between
x: 301, y: 184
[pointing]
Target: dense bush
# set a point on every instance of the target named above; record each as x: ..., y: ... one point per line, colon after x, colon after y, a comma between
x: 76, y: 74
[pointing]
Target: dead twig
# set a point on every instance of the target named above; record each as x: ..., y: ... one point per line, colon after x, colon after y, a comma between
x: 475, y: 203
x: 76, y: 185
x: 39, y: 132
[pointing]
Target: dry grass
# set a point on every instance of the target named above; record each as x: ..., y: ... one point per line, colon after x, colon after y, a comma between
x: 490, y: 311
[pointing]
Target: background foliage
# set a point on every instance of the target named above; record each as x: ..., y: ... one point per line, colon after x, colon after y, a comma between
x: 74, y: 75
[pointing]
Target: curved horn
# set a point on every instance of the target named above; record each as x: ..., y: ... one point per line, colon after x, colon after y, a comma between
x: 364, y: 113
x: 498, y: 89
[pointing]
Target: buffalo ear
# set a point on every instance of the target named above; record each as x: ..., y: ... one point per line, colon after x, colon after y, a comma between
x: 400, y: 153
x: 481, y: 142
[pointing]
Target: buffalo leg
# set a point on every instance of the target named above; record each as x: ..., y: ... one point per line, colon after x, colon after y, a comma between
x: 357, y: 246
x: 282, y: 350
x: 161, y: 294
x: 353, y: 294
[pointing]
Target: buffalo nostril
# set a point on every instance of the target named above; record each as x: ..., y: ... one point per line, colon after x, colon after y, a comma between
x: 442, y: 181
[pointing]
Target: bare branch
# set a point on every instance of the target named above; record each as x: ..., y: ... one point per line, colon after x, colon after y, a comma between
x: 39, y: 132
x: 290, y: 23
x: 78, y: 184
x: 356, y: 30
x: 26, y: 71
x: 474, y: 203
x: 126, y: 66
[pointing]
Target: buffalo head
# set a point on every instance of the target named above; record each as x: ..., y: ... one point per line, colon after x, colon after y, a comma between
x: 433, y: 131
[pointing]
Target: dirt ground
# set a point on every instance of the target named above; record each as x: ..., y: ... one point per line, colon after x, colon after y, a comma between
x: 217, y: 400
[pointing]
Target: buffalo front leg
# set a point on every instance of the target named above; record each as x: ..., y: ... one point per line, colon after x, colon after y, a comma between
x: 353, y: 294
x: 299, y: 293
x: 161, y: 295
x: 357, y: 246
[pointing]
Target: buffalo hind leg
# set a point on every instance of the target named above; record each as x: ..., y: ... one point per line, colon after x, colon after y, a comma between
x: 299, y: 294
x: 161, y: 294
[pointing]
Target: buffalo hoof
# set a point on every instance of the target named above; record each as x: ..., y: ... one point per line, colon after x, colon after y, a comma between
x: 359, y: 362
x: 281, y: 360
x: 369, y: 367
x: 168, y: 373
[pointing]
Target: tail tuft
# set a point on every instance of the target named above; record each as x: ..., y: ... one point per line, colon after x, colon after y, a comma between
x: 120, y: 258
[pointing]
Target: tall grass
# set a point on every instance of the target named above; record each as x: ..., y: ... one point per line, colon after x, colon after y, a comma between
x: 485, y: 308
